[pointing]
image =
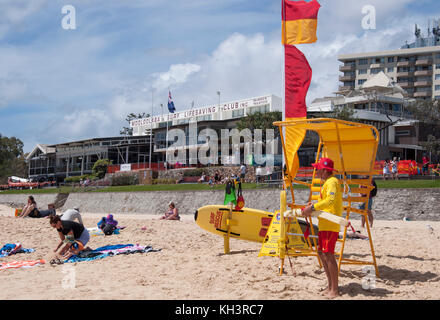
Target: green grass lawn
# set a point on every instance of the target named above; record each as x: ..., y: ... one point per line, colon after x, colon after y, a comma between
x: 381, y: 184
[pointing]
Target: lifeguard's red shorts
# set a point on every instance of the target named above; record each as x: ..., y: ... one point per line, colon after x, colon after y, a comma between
x: 327, y: 241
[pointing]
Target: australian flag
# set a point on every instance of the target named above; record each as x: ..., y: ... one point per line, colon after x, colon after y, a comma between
x: 171, y: 107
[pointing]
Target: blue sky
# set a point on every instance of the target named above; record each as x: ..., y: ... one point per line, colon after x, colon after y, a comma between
x: 61, y: 85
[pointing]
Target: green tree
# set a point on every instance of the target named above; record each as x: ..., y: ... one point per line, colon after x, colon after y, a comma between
x: 343, y: 112
x: 427, y: 112
x: 261, y: 121
x: 127, y: 131
x: 12, y: 159
x: 100, y: 168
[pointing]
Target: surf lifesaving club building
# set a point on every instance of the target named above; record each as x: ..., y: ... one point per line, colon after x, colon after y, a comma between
x: 56, y: 162
x: 192, y: 122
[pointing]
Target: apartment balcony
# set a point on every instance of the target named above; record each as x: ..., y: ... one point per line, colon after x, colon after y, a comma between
x: 404, y: 74
x: 347, y: 78
x: 422, y: 94
x: 423, y: 73
x: 424, y: 62
x: 403, y: 64
x: 376, y: 65
x: 406, y: 84
x: 423, y: 84
x: 345, y: 68
x: 346, y: 88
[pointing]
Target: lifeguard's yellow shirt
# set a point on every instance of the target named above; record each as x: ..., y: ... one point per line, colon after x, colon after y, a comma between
x: 330, y: 200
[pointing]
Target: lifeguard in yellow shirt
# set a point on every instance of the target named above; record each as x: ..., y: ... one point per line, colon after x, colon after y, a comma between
x: 330, y: 200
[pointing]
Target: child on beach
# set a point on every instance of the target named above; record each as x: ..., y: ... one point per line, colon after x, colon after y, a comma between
x: 394, y: 169
x: 330, y: 200
x: 386, y: 169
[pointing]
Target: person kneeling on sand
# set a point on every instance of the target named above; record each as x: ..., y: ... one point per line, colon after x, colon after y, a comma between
x: 71, y: 215
x: 73, y: 234
x: 330, y: 200
x: 172, y: 213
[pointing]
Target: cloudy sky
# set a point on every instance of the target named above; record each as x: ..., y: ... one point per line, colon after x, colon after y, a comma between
x: 60, y: 85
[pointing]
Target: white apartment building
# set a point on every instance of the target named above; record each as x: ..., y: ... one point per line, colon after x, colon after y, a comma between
x: 417, y: 70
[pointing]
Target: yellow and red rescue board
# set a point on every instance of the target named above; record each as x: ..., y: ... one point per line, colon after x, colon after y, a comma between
x: 320, y: 215
x: 246, y: 224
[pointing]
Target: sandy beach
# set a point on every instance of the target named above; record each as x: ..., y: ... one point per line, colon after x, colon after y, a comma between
x: 192, y: 266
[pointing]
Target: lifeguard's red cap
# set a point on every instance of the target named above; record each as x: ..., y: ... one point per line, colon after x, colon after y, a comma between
x: 324, y: 163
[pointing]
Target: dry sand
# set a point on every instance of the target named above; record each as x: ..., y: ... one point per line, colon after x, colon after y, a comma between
x: 192, y: 266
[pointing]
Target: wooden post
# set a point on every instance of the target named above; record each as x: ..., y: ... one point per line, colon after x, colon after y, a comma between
x: 228, y: 225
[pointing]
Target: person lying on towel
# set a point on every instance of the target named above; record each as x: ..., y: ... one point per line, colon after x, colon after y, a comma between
x: 74, y: 235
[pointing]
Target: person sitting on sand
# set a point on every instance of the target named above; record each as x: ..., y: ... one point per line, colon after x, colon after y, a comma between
x: 216, y: 177
x: 202, y: 179
x: 73, y: 234
x: 172, y: 214
x: 71, y: 215
x: 30, y: 209
x: 373, y: 193
x: 44, y: 213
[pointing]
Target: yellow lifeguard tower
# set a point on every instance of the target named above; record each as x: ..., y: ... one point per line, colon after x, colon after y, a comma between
x: 353, y: 147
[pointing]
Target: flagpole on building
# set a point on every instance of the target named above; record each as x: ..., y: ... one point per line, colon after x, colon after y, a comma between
x: 166, y: 139
x: 151, y: 127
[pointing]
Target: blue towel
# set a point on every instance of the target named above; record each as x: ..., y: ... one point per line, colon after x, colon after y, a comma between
x: 97, y: 253
x: 8, y: 249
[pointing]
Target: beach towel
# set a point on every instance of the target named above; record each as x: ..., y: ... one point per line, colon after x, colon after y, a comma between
x: 94, y: 232
x: 13, y: 248
x: 107, y: 251
x: 20, y: 264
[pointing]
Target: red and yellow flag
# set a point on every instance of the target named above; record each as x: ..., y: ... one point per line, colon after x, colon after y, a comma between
x: 298, y: 78
x: 299, y: 24
x: 299, y: 21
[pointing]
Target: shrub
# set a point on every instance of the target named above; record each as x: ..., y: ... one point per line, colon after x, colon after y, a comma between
x: 194, y: 172
x: 164, y: 181
x: 124, y: 180
x: 100, y: 168
x: 77, y: 179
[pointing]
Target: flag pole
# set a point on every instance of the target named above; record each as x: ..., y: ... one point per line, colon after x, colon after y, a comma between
x: 166, y: 139
x: 151, y: 127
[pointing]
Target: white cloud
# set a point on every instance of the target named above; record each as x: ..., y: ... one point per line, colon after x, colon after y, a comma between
x: 11, y: 90
x: 13, y: 13
x: 81, y: 124
x: 176, y: 75
x: 92, y: 85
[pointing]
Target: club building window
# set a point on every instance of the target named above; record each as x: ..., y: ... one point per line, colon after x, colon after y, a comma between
x: 261, y: 109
